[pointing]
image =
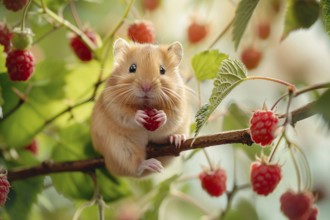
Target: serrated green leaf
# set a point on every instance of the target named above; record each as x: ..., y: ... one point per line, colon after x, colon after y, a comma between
x: 75, y: 144
x: 322, y: 107
x: 156, y: 201
x: 243, y: 14
x: 22, y: 196
x: 300, y: 14
x: 206, y: 64
x: 325, y: 14
x: 230, y: 75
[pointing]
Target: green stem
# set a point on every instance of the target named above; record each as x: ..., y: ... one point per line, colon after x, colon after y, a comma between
x: 188, y: 199
x: 119, y: 24
x: 295, y: 164
x: 208, y: 159
x: 25, y: 12
x: 67, y: 25
x: 272, y: 153
x: 75, y: 14
x: 291, y: 86
x: 311, y: 88
x: 221, y: 34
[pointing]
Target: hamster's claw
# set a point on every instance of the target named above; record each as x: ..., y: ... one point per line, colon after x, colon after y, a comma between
x: 177, y: 139
x: 152, y: 165
x: 140, y: 117
x: 161, y: 117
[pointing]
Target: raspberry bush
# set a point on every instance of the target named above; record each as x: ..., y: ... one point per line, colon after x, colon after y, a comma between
x: 238, y: 57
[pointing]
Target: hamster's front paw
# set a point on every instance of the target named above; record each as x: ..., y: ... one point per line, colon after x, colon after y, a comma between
x: 161, y: 117
x: 177, y: 139
x: 140, y: 117
x: 152, y: 165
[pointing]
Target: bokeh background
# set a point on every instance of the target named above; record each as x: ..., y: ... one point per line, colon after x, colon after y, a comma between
x: 301, y: 58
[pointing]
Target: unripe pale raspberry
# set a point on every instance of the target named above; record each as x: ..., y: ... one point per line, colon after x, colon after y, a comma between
x: 141, y: 32
x: 214, y: 182
x: 20, y: 65
x: 14, y: 5
x: 264, y: 177
x: 4, y: 188
x: 263, y: 125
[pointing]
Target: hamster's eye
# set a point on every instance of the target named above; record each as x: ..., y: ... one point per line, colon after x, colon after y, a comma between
x: 132, y: 68
x: 162, y: 70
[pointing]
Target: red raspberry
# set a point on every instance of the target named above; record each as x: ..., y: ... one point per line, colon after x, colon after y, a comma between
x: 264, y: 30
x: 33, y: 147
x: 79, y: 47
x: 150, y: 5
x: 151, y: 123
x: 214, y: 182
x: 196, y: 32
x: 14, y: 5
x: 251, y: 58
x: 313, y: 214
x: 20, y: 65
x: 141, y: 32
x: 4, y: 188
x: 264, y: 177
x: 262, y: 127
x: 297, y: 206
x: 5, y: 37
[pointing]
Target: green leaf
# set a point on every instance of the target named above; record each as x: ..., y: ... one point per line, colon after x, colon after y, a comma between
x: 156, y: 201
x: 325, y: 14
x: 75, y: 144
x: 1, y: 103
x: 243, y: 14
x: 22, y: 196
x: 322, y: 107
x: 230, y: 75
x: 243, y: 210
x: 300, y: 14
x: 206, y: 64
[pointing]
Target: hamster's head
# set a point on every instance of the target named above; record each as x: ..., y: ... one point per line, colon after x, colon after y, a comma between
x: 146, y: 75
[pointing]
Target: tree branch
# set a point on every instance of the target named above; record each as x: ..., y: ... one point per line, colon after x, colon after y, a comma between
x: 229, y: 137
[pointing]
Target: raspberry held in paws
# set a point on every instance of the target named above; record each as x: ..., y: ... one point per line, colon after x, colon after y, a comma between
x: 262, y: 127
x: 20, y: 65
x: 151, y: 123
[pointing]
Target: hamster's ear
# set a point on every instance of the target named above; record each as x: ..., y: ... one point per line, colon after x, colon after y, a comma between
x: 120, y: 46
x: 176, y: 50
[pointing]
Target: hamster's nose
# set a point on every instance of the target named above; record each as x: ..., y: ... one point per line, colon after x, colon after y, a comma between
x: 146, y: 87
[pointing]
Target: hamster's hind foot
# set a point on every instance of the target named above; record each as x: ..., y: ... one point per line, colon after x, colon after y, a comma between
x: 177, y: 139
x: 152, y: 165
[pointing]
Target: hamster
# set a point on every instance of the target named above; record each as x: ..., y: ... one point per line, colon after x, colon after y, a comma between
x: 144, y: 75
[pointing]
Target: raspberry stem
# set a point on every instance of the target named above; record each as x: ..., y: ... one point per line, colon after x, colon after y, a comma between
x: 208, y: 159
x: 67, y: 24
x: 75, y: 15
x: 272, y: 153
x: 295, y: 164
x: 290, y: 86
x: 119, y: 24
x: 26, y: 9
x: 189, y: 200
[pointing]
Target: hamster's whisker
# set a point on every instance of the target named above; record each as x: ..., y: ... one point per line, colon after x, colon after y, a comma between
x: 171, y: 93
